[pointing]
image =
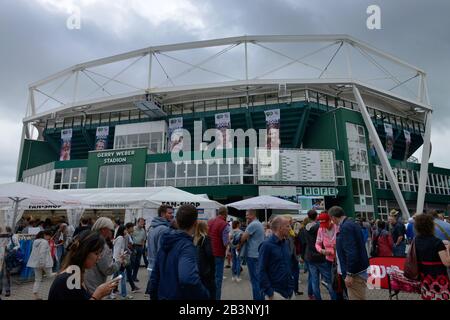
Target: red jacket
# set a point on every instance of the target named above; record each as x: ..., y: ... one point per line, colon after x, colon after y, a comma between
x: 215, y: 231
x: 385, y: 244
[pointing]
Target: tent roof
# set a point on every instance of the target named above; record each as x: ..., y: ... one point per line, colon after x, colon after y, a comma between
x: 264, y: 202
x: 150, y: 197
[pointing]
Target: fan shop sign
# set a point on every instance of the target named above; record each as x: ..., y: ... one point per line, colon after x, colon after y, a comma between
x: 115, y: 157
x: 177, y: 204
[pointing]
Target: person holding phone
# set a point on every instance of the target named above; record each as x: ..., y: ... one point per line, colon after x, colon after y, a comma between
x: 83, y: 254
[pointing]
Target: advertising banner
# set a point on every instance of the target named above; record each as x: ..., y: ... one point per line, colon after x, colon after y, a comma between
x: 66, y: 144
x: 101, y: 138
x: 380, y: 268
x: 176, y: 134
x: 389, y: 140
x: 407, y: 143
x: 223, y: 123
x: 273, y: 128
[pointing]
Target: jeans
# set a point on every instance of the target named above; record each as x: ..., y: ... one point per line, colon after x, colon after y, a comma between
x: 296, y: 271
x: 220, y: 262
x: 5, y: 279
x: 123, y: 283
x: 236, y: 263
x: 252, y: 264
x: 400, y: 250
x: 60, y: 256
x: 138, y: 250
x: 129, y: 271
x: 324, y: 269
x: 310, y: 288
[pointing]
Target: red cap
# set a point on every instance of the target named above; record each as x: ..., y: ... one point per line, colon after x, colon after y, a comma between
x: 324, y: 219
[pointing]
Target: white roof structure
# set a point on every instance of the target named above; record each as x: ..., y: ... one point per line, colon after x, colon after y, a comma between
x: 264, y: 202
x: 227, y: 67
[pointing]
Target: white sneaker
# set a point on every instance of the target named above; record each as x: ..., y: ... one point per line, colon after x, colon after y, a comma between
x: 238, y: 279
x: 224, y: 277
x: 233, y: 278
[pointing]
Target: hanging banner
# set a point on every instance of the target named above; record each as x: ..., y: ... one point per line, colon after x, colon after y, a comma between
x: 389, y: 140
x: 223, y: 123
x: 176, y: 134
x: 101, y: 138
x: 66, y: 144
x: 372, y: 151
x: 407, y: 143
x: 273, y: 128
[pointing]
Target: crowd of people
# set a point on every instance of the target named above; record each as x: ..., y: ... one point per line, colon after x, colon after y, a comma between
x: 185, y: 257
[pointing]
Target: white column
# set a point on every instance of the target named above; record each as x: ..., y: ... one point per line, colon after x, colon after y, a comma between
x: 150, y: 58
x: 424, y: 164
x: 381, y: 153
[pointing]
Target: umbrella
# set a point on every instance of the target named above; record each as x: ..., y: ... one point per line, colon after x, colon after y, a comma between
x: 264, y: 202
x: 19, y: 194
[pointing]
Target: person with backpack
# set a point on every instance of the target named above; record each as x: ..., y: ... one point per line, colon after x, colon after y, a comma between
x: 235, y: 239
x: 382, y: 242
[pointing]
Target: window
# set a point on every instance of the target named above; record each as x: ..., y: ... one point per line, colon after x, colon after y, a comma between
x: 340, y: 173
x: 383, y: 209
x: 74, y: 178
x: 118, y: 176
x: 359, y: 169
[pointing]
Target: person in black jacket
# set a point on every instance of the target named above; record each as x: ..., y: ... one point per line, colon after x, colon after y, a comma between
x: 206, y: 261
x: 317, y: 265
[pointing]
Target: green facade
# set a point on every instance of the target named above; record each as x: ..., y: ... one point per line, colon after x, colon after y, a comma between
x: 307, y: 125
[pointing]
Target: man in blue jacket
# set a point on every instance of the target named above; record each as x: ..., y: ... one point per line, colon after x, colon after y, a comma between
x: 275, y: 263
x: 351, y: 254
x: 175, y: 275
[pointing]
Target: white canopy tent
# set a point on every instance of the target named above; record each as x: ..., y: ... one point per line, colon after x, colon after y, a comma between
x: 141, y: 202
x: 264, y: 202
x: 16, y: 197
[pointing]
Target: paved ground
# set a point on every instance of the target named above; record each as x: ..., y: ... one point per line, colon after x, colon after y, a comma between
x: 230, y: 290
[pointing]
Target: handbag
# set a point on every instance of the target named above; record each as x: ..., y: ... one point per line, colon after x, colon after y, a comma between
x: 399, y: 282
x: 411, y: 269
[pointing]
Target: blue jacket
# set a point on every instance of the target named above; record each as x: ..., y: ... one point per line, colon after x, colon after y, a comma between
x: 275, y: 267
x: 175, y: 275
x: 158, y: 226
x: 351, y: 249
x: 410, y: 231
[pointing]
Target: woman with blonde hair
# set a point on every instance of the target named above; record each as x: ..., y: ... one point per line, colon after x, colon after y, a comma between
x: 206, y: 262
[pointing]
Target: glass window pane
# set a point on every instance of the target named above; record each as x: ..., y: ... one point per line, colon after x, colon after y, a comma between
x: 170, y: 182
x: 202, y: 170
x: 119, y: 176
x: 201, y: 181
x: 224, y: 169
x: 192, y: 170
x: 181, y: 170
x: 224, y: 180
x: 170, y: 171
x: 181, y: 183
x: 160, y: 170
x: 102, y: 177
x: 58, y: 176
x: 110, y: 177
x: 132, y: 141
x: 235, y: 180
x: 159, y: 183
x: 144, y: 140
x: 66, y: 176
x: 212, y: 181
x: 127, y: 175
x: 83, y: 174
x: 212, y: 169
x: 191, y: 182
x: 150, y: 174
x: 235, y: 169
x: 75, y: 175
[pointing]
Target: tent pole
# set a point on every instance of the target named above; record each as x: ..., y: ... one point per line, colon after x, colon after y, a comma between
x: 265, y: 210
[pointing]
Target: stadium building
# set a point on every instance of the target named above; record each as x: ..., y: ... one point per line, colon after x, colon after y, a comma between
x: 345, y: 113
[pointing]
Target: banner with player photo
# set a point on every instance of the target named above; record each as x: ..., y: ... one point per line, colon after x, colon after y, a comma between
x: 389, y: 140
x: 407, y: 143
x: 176, y: 134
x: 273, y: 128
x: 223, y: 124
x: 101, y: 138
x: 66, y: 144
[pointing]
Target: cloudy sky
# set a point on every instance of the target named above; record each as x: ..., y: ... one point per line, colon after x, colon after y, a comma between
x: 35, y: 42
